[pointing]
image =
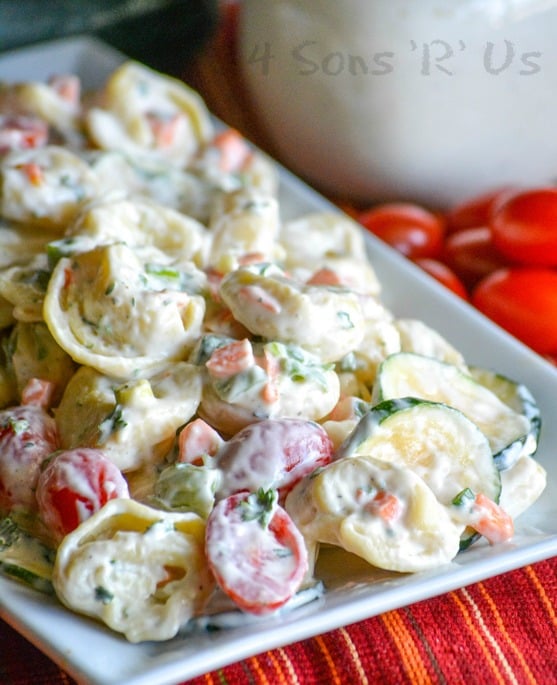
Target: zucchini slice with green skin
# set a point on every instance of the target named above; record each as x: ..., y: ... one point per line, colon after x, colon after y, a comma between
x: 519, y: 398
x: 25, y: 558
x: 406, y: 374
x: 439, y: 443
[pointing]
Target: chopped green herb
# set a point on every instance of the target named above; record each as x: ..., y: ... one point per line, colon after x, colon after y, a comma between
x: 18, y: 426
x: 464, y: 497
x: 260, y: 506
x: 38, y: 279
x: 113, y: 422
x: 206, y: 346
x: 345, y: 320
x: 103, y: 595
x: 231, y: 388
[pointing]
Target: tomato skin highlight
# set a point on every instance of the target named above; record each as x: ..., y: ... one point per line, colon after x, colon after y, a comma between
x: 524, y: 227
x: 471, y: 254
x: 409, y: 228
x: 444, y: 274
x: 523, y: 301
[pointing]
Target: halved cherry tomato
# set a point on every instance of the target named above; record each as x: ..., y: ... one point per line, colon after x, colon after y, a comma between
x: 471, y: 254
x: 74, y: 485
x: 525, y: 227
x: 255, y: 552
x: 27, y: 436
x: 442, y: 273
x: 475, y: 211
x: 524, y: 302
x: 273, y: 453
x: 409, y: 228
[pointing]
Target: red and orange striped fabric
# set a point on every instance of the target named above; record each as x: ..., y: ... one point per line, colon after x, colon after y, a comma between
x: 502, y: 631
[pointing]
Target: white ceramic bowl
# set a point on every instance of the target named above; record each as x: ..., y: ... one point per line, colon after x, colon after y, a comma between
x: 433, y: 100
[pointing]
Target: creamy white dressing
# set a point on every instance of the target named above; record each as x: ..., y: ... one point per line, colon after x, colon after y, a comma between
x: 522, y: 485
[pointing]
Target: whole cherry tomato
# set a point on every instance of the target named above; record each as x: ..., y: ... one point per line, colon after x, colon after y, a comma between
x: 471, y: 254
x: 74, y: 485
x: 409, y: 228
x: 525, y: 227
x: 445, y: 275
x: 475, y: 211
x: 522, y: 300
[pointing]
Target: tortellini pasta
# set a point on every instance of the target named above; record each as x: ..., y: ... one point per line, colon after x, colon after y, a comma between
x: 142, y: 112
x: 45, y: 186
x: 120, y: 312
x: 342, y: 505
x: 139, y: 570
x: 143, y: 223
x: 247, y: 381
x: 23, y: 288
x: 327, y: 321
x: 57, y: 103
x: 325, y: 235
x: 135, y: 422
x: 35, y: 354
x: 247, y: 223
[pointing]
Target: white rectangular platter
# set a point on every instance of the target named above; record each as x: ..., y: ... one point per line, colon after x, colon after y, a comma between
x: 94, y: 656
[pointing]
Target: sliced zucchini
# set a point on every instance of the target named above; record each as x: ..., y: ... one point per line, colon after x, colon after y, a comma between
x: 412, y: 375
x: 446, y: 449
x: 24, y: 557
x: 519, y: 398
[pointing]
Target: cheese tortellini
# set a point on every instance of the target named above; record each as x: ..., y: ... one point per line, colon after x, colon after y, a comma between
x: 122, y: 311
x: 346, y: 504
x: 135, y: 422
x: 45, y: 186
x: 142, y: 112
x: 327, y: 321
x: 139, y: 570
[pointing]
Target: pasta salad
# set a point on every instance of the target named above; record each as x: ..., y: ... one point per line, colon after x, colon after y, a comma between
x: 197, y: 395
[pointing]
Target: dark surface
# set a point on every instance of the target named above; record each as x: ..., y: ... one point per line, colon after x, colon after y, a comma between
x: 164, y: 34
